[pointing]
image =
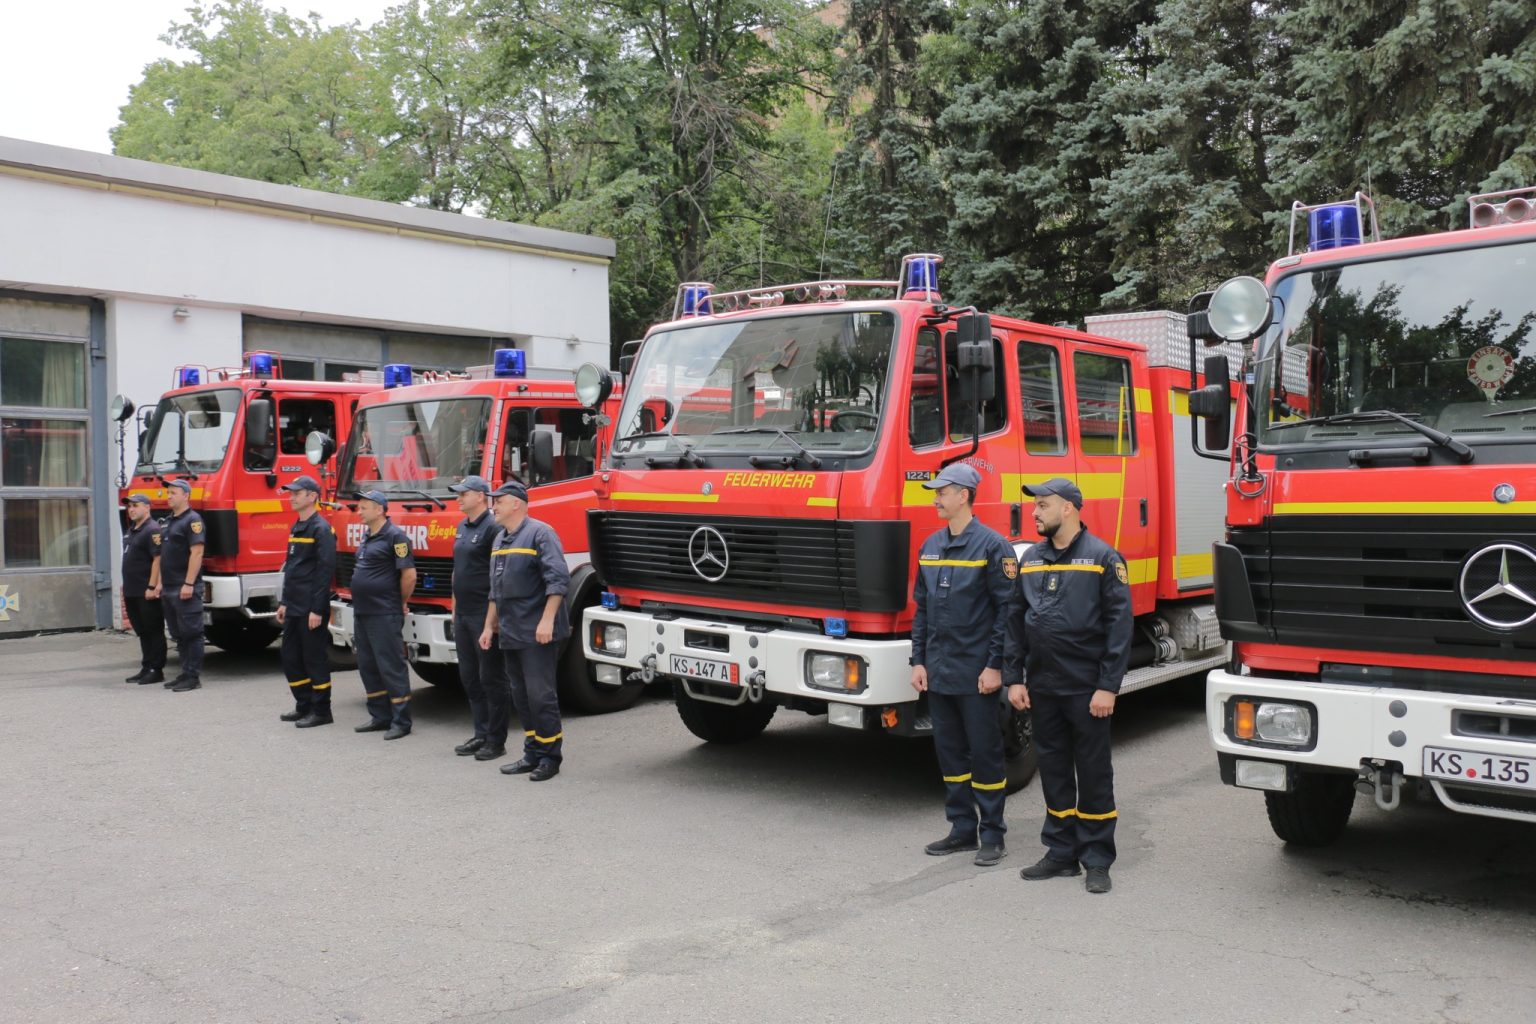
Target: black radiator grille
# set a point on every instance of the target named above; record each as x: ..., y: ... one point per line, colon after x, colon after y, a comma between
x: 818, y: 563
x: 434, y: 576
x: 1387, y: 583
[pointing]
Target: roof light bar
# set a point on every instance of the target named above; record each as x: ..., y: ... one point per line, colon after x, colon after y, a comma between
x: 1515, y: 209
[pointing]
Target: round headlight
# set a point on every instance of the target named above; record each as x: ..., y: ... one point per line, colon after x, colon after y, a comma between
x: 318, y: 447
x: 1239, y: 309
x: 121, y: 408
x: 593, y: 385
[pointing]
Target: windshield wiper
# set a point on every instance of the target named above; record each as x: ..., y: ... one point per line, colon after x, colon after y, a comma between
x: 1508, y: 412
x: 435, y: 501
x: 688, y: 457
x: 801, y: 451
x: 1439, y: 437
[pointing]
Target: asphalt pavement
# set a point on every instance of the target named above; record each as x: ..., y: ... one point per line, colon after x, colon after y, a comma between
x: 189, y: 858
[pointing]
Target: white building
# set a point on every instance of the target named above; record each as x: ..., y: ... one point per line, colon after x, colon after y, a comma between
x: 114, y: 271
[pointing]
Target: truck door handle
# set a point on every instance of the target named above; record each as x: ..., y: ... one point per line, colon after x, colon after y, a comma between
x: 1016, y: 519
x: 1143, y: 511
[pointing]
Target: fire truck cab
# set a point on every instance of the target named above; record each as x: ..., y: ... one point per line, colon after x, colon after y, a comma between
x: 412, y: 440
x: 1378, y: 577
x: 238, y: 434
x: 760, y: 552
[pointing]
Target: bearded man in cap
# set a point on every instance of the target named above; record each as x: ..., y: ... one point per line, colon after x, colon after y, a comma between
x: 964, y: 584
x: 482, y: 672
x: 1069, y: 640
x: 305, y: 607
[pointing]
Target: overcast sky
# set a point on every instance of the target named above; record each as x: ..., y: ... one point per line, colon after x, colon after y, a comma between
x: 65, y: 68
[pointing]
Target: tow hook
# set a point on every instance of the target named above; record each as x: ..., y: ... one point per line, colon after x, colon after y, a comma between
x: 648, y: 669
x: 1383, y: 780
x: 756, y: 682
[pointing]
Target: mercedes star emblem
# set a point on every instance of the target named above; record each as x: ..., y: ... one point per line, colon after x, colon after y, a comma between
x: 708, y: 554
x: 1487, y: 577
x: 1504, y: 493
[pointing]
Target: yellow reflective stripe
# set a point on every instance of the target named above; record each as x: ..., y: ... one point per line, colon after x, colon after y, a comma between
x: 643, y: 496
x: 527, y: 732
x: 322, y: 686
x: 301, y: 540
x: 1070, y: 812
x: 958, y: 778
x: 1400, y: 508
x: 1097, y: 817
x: 989, y: 785
x: 261, y: 505
x: 1062, y: 568
x: 298, y: 682
x: 1142, y: 398
x: 547, y: 739
x: 400, y: 700
x: 953, y: 561
x: 1141, y: 570
x: 1193, y: 565
x: 378, y: 693
x: 821, y: 502
x: 515, y: 551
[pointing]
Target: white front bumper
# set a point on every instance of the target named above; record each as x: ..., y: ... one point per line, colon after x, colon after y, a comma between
x: 780, y: 654
x: 240, y: 591
x: 430, y: 635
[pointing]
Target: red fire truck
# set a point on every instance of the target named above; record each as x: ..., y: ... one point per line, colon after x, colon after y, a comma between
x: 1378, y: 578
x: 760, y: 552
x: 414, y: 439
x: 238, y: 434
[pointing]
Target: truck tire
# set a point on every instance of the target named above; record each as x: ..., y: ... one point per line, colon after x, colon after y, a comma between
x: 719, y: 723
x: 1315, y: 812
x: 242, y: 636
x: 438, y: 673
x: 1021, y: 758
x: 580, y: 690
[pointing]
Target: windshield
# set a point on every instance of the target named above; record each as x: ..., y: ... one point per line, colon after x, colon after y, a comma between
x: 815, y: 381
x: 1444, y: 339
x: 189, y: 433
x: 406, y: 448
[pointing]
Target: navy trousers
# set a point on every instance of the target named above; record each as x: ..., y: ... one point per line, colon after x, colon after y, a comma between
x: 484, y: 675
x: 147, y: 618
x: 307, y: 661
x: 381, y: 663
x: 1076, y: 778
x: 185, y: 619
x: 532, y: 672
x: 969, y: 741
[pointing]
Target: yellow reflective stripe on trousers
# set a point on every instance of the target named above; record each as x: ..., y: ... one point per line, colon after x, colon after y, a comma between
x: 378, y: 693
x: 1070, y: 812
x: 1097, y: 817
x: 527, y: 732
x: 977, y: 563
x: 400, y: 700
x: 958, y: 778
x: 547, y: 739
x: 515, y: 551
x: 298, y: 682
x: 1062, y: 568
x: 322, y: 686
x: 989, y: 785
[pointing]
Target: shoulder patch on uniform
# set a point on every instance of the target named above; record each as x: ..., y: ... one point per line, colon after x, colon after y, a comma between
x: 1121, y: 574
x: 197, y: 526
x: 402, y: 549
x: 156, y: 536
x: 1011, y: 567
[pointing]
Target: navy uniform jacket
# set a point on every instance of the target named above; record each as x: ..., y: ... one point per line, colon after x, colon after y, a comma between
x: 1070, y: 628
x: 310, y: 564
x: 472, y: 546
x: 381, y: 558
x: 141, y: 546
x: 527, y: 567
x: 963, y: 590
x: 177, y: 539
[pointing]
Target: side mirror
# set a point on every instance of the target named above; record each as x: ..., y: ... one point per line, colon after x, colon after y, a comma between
x: 973, y: 357
x: 319, y: 447
x: 1213, y: 403
x: 258, y: 424
x: 628, y: 353
x: 543, y: 445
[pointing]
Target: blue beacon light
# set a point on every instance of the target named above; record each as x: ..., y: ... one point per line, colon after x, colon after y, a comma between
x: 188, y: 376
x: 696, y: 300
x: 1333, y: 227
x: 397, y: 375
x: 922, y: 275
x: 511, y: 362
x: 835, y: 627
x: 261, y: 365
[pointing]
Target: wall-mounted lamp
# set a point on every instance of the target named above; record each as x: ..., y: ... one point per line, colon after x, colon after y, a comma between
x: 181, y: 312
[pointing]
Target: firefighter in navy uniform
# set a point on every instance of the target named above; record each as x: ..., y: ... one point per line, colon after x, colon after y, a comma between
x: 383, y: 579
x: 305, y: 608
x: 963, y: 588
x: 181, y: 582
x: 141, y: 589
x: 483, y: 672
x: 529, y: 579
x: 1069, y: 639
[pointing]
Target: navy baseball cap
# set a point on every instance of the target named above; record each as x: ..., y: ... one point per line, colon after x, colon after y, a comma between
x: 513, y: 487
x: 471, y: 483
x: 180, y: 484
x: 1059, y: 486
x: 303, y: 483
x: 957, y: 473
x: 377, y: 497
x: 138, y: 499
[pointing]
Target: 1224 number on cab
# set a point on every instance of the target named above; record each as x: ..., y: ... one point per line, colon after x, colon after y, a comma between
x: 1487, y: 769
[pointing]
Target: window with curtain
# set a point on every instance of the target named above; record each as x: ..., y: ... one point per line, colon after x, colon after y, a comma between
x: 44, y: 445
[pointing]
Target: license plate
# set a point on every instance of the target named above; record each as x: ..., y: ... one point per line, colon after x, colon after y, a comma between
x: 703, y: 668
x: 1486, y: 769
